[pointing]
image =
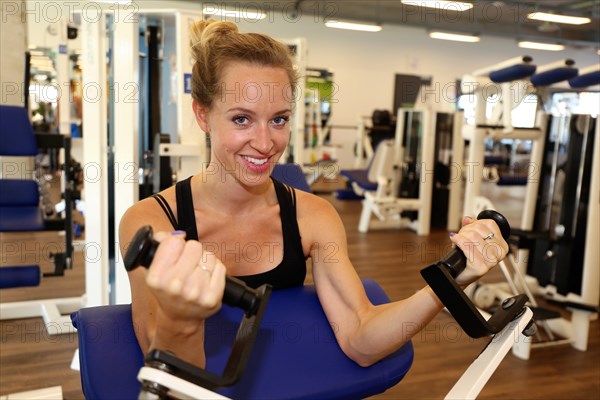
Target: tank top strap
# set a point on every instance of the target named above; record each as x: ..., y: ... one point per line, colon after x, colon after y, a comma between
x: 286, y: 197
x: 185, y: 209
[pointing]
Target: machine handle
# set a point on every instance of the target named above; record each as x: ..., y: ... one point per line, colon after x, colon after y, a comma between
x: 456, y: 261
x: 440, y: 277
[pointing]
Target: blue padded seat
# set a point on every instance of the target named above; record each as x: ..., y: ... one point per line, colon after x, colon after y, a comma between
x: 512, y: 180
x: 18, y: 192
x: 512, y: 73
x: 495, y: 160
x: 361, y: 177
x: 295, y: 355
x: 19, y: 206
x: 16, y: 134
x: 23, y: 275
x: 19, y: 199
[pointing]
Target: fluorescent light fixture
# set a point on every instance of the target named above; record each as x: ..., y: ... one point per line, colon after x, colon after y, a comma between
x: 541, y: 46
x: 440, y: 4
x: 454, y: 36
x: 353, y: 26
x: 247, y: 13
x: 560, y: 19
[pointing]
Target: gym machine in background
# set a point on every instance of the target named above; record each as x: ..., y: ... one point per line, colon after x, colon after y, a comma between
x: 414, y: 161
x: 559, y: 215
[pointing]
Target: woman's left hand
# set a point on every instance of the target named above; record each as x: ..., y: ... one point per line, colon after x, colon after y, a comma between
x: 482, y: 244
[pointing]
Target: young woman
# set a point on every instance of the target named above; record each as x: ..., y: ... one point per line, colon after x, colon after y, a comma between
x: 233, y: 218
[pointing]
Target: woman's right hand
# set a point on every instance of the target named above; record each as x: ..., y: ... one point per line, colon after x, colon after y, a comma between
x: 187, y: 282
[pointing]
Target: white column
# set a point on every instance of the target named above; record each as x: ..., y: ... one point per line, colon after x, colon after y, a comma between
x: 188, y: 131
x: 591, y: 265
x: 126, y: 109
x: 62, y: 70
x: 426, y: 173
x: 93, y: 33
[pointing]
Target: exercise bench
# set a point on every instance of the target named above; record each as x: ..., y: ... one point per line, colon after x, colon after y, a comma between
x: 295, y: 354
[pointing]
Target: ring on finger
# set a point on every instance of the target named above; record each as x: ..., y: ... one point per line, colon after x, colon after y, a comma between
x: 205, y: 268
x: 489, y: 236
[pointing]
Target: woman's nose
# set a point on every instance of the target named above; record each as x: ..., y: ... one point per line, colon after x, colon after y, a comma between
x: 262, y: 140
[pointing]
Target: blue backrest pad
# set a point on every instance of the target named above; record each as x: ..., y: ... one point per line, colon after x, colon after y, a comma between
x: 554, y: 75
x: 16, y: 133
x: 512, y: 73
x: 18, y: 193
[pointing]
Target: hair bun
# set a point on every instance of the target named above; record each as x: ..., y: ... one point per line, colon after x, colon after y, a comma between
x: 204, y: 32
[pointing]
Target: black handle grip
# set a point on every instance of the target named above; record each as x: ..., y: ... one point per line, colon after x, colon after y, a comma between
x: 456, y: 261
x: 141, y: 251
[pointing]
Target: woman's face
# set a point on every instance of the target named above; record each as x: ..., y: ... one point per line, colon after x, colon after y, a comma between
x: 249, y: 121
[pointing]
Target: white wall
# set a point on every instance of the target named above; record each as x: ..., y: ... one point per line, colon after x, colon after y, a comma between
x: 13, y: 44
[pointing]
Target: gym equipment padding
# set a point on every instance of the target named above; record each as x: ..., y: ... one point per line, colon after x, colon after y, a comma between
x: 361, y: 177
x: 292, y: 175
x: 512, y: 73
x: 19, y: 206
x: 554, y: 75
x: 16, y: 133
x: 26, y: 275
x: 19, y: 198
x: 585, y: 80
x: 295, y: 355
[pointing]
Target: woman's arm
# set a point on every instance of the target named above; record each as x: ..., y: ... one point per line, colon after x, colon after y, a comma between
x: 367, y: 333
x: 172, y: 298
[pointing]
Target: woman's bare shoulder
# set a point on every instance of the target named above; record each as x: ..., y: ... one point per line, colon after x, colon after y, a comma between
x: 147, y: 212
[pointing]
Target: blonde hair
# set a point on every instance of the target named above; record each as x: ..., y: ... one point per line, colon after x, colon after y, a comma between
x: 214, y: 44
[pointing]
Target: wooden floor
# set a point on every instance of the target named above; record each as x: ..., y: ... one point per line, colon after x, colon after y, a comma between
x: 30, y: 358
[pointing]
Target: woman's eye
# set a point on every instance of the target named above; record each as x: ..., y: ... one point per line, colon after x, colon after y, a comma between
x: 240, y: 120
x: 281, y: 120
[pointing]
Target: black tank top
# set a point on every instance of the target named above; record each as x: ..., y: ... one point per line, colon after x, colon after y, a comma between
x: 292, y: 269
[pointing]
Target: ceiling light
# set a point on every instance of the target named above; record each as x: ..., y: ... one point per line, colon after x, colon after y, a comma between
x: 440, y: 4
x: 454, y: 36
x: 561, y: 19
x: 238, y: 14
x: 353, y: 26
x: 541, y: 46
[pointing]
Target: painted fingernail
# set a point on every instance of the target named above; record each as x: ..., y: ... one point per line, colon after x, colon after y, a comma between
x: 452, y: 234
x: 177, y: 233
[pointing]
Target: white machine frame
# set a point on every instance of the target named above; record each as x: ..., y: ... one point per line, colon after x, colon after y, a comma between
x: 385, y: 169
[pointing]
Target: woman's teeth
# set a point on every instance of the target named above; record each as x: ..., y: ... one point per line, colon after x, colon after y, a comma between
x: 256, y: 161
